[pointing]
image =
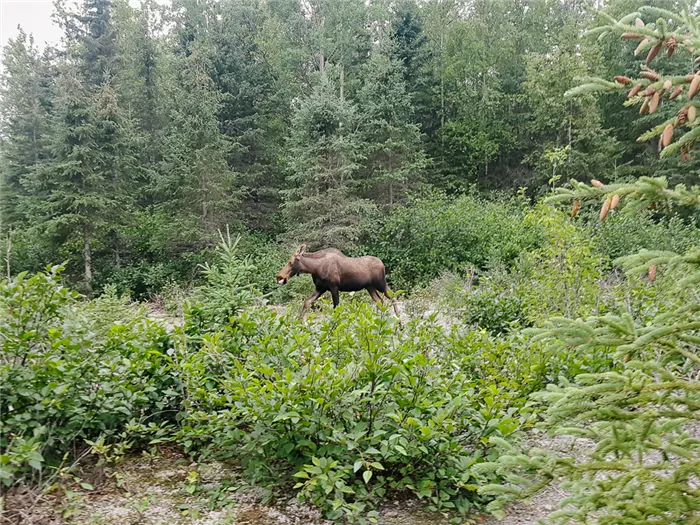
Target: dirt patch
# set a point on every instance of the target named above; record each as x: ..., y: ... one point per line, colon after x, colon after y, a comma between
x: 171, y: 490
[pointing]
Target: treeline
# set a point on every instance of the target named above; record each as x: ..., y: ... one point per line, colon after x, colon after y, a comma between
x: 126, y: 148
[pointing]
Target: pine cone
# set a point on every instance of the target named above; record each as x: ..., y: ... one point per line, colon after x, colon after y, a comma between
x: 645, y: 105
x: 640, y: 46
x: 623, y: 80
x: 654, y: 51
x: 615, y: 201
x: 654, y: 102
x: 650, y: 75
x: 652, y: 272
x: 682, y: 115
x: 636, y: 89
x: 667, y: 136
x: 671, y: 45
x: 675, y: 93
x: 692, y: 111
x: 694, y: 86
x: 575, y: 208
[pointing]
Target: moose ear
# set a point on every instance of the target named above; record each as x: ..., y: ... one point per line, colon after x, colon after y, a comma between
x: 301, y: 250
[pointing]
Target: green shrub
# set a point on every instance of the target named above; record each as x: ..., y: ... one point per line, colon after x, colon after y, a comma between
x: 351, y: 407
x: 432, y: 235
x: 227, y: 288
x: 494, y: 310
x: 639, y: 416
x: 622, y: 234
x: 72, y: 372
x: 561, y: 277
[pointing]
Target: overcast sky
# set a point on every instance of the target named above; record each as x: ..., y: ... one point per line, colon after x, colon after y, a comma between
x: 33, y: 15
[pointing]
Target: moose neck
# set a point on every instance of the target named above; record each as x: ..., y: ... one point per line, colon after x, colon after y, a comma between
x: 308, y: 264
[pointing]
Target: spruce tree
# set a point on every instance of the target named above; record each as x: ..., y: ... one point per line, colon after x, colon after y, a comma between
x: 393, y: 150
x: 641, y: 416
x: 253, y: 106
x: 194, y: 182
x: 139, y: 77
x: 80, y: 195
x: 325, y: 151
x: 26, y: 93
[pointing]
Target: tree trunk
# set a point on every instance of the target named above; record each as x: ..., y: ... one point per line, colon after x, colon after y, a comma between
x: 7, y: 256
x: 391, y: 193
x: 87, y: 257
x: 322, y: 63
x: 442, y: 84
x: 342, y: 82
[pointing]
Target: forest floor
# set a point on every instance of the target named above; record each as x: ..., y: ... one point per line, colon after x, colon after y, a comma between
x: 154, y: 491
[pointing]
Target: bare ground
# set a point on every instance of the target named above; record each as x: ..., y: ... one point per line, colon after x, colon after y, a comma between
x: 154, y: 491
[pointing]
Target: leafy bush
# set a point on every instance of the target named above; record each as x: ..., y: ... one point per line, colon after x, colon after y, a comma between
x: 623, y: 234
x: 494, y: 310
x: 71, y: 372
x: 352, y: 407
x: 561, y: 277
x: 431, y: 235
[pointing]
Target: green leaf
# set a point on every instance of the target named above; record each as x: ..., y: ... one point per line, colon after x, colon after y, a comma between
x: 367, y: 475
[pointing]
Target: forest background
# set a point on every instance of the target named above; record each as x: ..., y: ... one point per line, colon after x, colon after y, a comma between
x: 149, y: 129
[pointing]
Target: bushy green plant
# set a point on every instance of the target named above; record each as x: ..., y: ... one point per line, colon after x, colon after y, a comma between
x: 227, y: 289
x: 622, y: 234
x: 71, y: 372
x: 351, y: 406
x: 494, y: 310
x: 644, y: 464
x: 435, y: 234
x: 560, y: 277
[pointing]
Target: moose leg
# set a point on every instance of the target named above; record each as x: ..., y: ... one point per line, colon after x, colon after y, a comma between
x: 388, y: 293
x: 310, y: 301
x: 375, y: 296
x: 335, y: 293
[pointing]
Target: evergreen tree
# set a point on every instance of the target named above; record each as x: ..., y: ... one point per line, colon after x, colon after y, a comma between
x: 325, y: 151
x: 393, y: 149
x: 253, y: 108
x: 194, y: 180
x: 644, y: 463
x: 138, y: 79
x: 81, y: 192
x: 26, y: 93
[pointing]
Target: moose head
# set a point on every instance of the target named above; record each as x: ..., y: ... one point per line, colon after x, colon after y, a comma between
x: 291, y: 269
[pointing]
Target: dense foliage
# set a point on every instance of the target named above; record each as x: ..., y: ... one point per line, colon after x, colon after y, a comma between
x: 150, y: 128
x: 175, y: 153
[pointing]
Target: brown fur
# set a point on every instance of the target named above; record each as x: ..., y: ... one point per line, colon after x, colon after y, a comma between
x: 333, y: 272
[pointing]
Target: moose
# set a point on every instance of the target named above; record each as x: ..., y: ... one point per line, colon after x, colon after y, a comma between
x: 333, y: 272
